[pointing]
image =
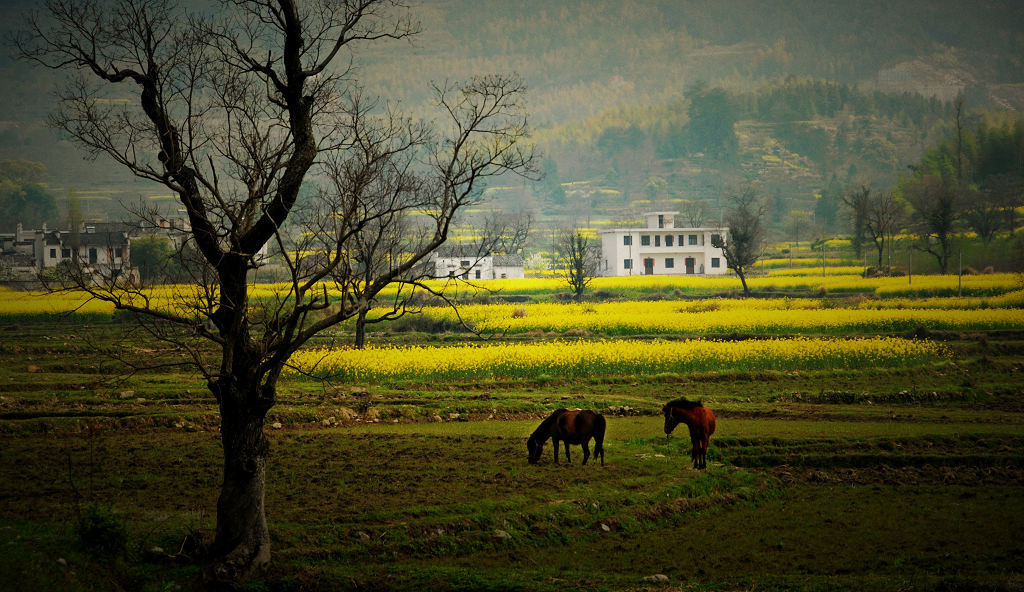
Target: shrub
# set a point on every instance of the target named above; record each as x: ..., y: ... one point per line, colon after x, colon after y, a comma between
x: 101, y: 532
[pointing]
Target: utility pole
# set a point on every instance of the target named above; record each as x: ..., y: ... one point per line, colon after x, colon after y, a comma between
x: 910, y: 264
x: 960, y: 275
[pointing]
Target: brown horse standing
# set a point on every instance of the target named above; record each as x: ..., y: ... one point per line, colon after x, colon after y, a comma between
x: 699, y: 419
x: 570, y: 427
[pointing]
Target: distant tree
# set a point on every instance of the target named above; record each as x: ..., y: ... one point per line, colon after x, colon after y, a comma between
x: 692, y: 212
x: 799, y: 225
x: 857, y: 203
x: 579, y: 257
x: 22, y: 171
x: 711, y: 129
x: 655, y: 188
x: 882, y: 215
x: 827, y: 207
x: 743, y: 243
x: 936, y: 208
x: 154, y: 258
x: 506, y: 232
x: 22, y: 199
x: 550, y: 183
x: 1006, y: 190
x: 984, y: 213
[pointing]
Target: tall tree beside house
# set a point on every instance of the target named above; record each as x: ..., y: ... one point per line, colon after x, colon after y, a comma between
x: 234, y: 110
x: 580, y: 257
x: 743, y: 243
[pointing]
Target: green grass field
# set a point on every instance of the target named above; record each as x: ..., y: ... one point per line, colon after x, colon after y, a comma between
x: 888, y: 477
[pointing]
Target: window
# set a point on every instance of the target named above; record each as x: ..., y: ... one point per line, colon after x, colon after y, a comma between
x: 657, y: 240
x: 693, y: 239
x: 645, y: 240
x: 668, y: 240
x: 92, y: 254
x: 53, y: 253
x: 682, y: 239
x: 716, y: 239
x: 118, y: 253
x: 464, y: 263
x: 715, y: 262
x: 627, y: 240
x: 477, y: 274
x: 661, y: 221
x: 627, y: 264
x: 669, y: 263
x: 65, y: 253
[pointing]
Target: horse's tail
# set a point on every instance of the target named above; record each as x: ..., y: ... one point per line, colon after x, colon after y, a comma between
x: 599, y: 427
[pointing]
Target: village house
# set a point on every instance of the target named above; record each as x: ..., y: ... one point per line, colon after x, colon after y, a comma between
x: 662, y: 248
x: 104, y: 247
x: 471, y: 266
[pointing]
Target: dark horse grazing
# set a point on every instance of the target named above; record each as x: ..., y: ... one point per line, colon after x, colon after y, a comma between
x: 699, y: 419
x: 570, y: 427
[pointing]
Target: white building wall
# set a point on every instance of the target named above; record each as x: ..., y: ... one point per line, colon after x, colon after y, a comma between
x: 657, y: 251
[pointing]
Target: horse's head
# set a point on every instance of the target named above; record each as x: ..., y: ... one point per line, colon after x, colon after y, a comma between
x: 534, y: 446
x: 670, y: 420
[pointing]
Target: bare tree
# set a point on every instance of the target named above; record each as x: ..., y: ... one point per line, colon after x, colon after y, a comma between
x: 936, y: 209
x: 507, y: 232
x: 233, y: 113
x: 743, y: 244
x: 580, y: 260
x: 881, y: 217
x: 798, y: 225
x: 693, y: 212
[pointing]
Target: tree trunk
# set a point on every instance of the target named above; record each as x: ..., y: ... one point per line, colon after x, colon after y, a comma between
x: 743, y: 280
x: 360, y: 339
x: 241, y: 550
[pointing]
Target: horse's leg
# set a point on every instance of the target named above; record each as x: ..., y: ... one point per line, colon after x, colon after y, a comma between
x: 567, y: 459
x: 586, y: 450
x: 555, y: 442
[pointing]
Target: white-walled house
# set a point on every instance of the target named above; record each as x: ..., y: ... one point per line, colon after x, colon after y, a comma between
x: 477, y: 267
x: 662, y: 248
x: 104, y: 248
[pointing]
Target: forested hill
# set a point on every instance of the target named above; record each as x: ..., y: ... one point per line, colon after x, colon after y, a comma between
x: 822, y: 89
x: 583, y: 56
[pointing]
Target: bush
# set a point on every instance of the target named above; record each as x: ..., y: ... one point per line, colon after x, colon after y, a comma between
x: 101, y: 532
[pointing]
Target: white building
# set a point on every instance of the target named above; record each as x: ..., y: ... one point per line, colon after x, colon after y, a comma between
x: 662, y: 248
x: 103, y: 247
x: 476, y: 267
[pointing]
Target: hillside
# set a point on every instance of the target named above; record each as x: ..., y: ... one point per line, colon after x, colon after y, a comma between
x: 596, y: 69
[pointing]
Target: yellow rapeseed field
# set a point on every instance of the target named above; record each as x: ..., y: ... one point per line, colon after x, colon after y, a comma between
x: 724, y: 316
x: 583, y: 359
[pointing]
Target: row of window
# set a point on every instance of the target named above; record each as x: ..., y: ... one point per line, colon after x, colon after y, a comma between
x: 670, y: 263
x: 93, y: 256
x: 684, y: 239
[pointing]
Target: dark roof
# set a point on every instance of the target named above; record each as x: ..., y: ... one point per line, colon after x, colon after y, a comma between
x: 508, y: 261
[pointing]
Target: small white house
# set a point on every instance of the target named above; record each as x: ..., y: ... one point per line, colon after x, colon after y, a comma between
x: 662, y: 248
x: 478, y: 267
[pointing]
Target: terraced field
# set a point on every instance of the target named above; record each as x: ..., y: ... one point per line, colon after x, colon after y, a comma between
x: 825, y: 473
